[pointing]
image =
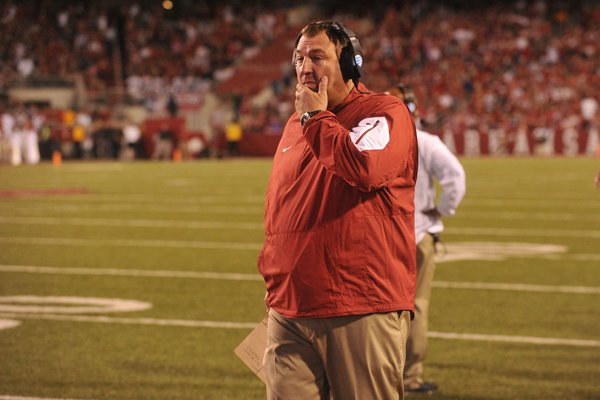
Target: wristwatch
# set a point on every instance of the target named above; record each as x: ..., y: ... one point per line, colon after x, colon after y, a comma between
x: 308, y: 115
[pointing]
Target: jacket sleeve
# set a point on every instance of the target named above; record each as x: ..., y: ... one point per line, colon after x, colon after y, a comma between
x: 446, y: 168
x: 380, y: 147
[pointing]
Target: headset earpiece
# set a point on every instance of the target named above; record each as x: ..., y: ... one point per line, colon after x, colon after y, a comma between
x: 351, y: 59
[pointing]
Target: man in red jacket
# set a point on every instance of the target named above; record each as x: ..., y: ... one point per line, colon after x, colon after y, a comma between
x: 339, y: 253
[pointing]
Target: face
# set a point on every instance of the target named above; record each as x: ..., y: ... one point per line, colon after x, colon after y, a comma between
x: 316, y: 57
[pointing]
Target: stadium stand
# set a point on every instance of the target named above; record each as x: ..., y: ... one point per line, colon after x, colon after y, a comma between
x: 501, y: 78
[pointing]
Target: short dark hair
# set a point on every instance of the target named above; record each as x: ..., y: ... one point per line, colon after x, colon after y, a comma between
x: 334, y: 33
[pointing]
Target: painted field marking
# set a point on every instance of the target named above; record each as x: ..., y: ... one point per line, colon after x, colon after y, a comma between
x: 528, y: 216
x: 515, y: 339
x: 8, y: 323
x: 519, y: 287
x: 257, y: 278
x: 170, y: 199
x: 132, y: 223
x: 68, y: 305
x: 470, y: 215
x: 458, y: 251
x: 131, y: 273
x: 530, y: 203
x: 195, y: 244
x: 167, y: 208
x: 217, y: 198
x: 257, y: 226
x: 135, y: 321
x: 251, y: 325
x: 188, y: 244
x: 580, y: 233
x: 154, y: 198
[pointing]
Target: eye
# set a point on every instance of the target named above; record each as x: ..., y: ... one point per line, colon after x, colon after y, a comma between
x: 299, y: 59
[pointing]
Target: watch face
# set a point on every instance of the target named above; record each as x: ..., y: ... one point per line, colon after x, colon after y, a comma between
x: 307, y: 115
x: 304, y: 118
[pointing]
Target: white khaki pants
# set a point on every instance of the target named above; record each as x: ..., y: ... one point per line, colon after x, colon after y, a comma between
x: 416, y: 346
x: 351, y: 357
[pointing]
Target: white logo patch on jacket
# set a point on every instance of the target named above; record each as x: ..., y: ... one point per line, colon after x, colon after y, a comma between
x: 371, y: 133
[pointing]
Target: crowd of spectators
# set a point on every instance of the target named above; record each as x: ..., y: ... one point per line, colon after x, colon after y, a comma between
x: 499, y: 65
x: 137, y: 46
x: 534, y: 63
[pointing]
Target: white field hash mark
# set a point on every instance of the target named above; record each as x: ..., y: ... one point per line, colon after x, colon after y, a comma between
x: 251, y: 325
x: 520, y: 287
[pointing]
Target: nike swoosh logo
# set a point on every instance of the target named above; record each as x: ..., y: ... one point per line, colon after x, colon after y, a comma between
x: 286, y: 149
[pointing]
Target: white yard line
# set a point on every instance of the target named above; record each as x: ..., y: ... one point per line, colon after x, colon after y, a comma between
x: 530, y: 203
x: 153, y: 198
x: 131, y: 273
x: 30, y: 304
x: 134, y: 321
x: 144, y: 223
x: 257, y: 278
x: 191, y: 224
x: 525, y: 216
x: 188, y: 244
x: 233, y: 197
x: 512, y: 232
x: 132, y: 223
x: 515, y: 339
x: 33, y: 207
x: 520, y: 287
x: 251, y: 325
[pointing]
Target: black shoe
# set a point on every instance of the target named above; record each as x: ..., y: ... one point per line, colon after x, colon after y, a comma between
x: 423, y: 388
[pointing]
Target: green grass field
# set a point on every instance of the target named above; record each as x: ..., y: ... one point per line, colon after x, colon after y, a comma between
x: 515, y: 309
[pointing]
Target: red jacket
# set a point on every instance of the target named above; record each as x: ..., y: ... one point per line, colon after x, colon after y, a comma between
x: 339, y: 214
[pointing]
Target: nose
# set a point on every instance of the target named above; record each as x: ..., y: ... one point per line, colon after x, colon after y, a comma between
x: 305, y: 66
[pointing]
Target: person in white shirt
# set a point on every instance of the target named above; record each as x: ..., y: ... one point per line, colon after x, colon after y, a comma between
x: 9, y: 123
x: 437, y: 162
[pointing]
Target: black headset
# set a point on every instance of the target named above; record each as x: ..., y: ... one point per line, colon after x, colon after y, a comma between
x: 351, y: 58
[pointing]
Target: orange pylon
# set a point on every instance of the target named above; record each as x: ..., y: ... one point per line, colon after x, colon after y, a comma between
x: 56, y: 158
x: 177, y: 156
